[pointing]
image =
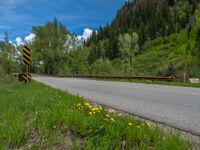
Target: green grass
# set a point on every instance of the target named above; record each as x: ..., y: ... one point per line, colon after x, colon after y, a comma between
x: 39, y: 117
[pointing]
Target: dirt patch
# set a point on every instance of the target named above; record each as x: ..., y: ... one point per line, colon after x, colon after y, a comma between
x: 34, y: 139
x: 69, y: 140
x: 65, y: 141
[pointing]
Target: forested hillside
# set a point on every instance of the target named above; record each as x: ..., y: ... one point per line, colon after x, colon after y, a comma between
x: 149, y: 18
x: 167, y: 39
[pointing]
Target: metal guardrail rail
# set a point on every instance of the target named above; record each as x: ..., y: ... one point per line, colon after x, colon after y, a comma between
x: 169, y: 79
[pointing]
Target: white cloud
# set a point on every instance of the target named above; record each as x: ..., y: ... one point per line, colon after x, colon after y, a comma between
x: 86, y: 34
x: 19, y: 41
x: 29, y: 38
x: 13, y: 43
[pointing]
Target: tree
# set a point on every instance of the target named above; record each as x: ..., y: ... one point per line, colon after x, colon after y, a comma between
x: 128, y: 46
x: 7, y: 55
x: 51, y: 44
x: 198, y: 42
x: 78, y: 63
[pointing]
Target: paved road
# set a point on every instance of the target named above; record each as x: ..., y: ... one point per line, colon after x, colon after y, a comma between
x: 177, y: 107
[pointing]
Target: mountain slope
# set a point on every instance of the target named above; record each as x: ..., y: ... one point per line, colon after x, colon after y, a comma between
x: 149, y: 18
x: 163, y: 54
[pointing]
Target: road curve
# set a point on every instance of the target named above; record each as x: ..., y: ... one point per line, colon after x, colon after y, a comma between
x: 178, y: 107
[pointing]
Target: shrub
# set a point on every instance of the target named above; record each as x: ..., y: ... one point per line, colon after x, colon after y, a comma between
x: 101, y: 67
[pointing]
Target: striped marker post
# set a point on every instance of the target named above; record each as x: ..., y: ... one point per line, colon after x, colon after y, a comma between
x: 26, y: 55
x: 27, y: 62
x: 26, y: 78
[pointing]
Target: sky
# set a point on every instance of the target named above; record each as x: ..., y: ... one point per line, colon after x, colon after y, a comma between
x: 17, y: 17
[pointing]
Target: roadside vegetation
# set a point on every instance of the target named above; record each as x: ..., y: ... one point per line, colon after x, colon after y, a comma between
x: 36, y: 116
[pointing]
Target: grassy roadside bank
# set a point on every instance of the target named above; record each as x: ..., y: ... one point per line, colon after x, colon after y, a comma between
x: 37, y: 116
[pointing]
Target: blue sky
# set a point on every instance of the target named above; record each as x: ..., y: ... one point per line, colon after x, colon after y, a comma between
x: 18, y: 16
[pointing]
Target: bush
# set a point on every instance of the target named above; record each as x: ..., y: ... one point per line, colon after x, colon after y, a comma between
x: 101, y: 67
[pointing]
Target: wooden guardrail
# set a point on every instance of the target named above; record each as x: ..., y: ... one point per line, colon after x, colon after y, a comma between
x: 169, y: 79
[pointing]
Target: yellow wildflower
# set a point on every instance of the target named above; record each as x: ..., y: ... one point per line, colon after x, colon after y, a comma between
x: 130, y: 124
x: 100, y: 108
x: 107, y: 115
x: 106, y: 119
x: 78, y: 105
x: 111, y: 110
x: 90, y: 113
x: 148, y: 124
x: 54, y: 126
x: 95, y: 109
x: 87, y: 104
x: 112, y: 119
x: 139, y: 127
x: 119, y: 115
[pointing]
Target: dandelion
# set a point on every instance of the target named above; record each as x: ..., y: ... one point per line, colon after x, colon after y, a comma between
x: 80, y: 96
x: 95, y: 109
x: 54, y: 126
x: 130, y: 124
x: 106, y: 119
x: 90, y: 113
x: 112, y: 119
x: 111, y: 111
x: 139, y: 127
x: 148, y: 124
x: 87, y: 104
x: 107, y: 115
x: 79, y: 104
x: 100, y: 108
x: 119, y: 115
x: 82, y: 107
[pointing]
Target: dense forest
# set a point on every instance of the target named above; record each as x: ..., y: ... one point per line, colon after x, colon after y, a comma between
x: 146, y: 38
x: 148, y: 18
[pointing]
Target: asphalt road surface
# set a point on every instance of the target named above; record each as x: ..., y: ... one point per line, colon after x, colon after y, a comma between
x: 178, y: 107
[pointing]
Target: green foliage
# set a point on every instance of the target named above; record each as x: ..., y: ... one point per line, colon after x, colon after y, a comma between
x: 139, y: 16
x: 128, y: 45
x: 198, y: 42
x: 50, y: 45
x: 101, y: 67
x: 78, y: 61
x: 9, y: 62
